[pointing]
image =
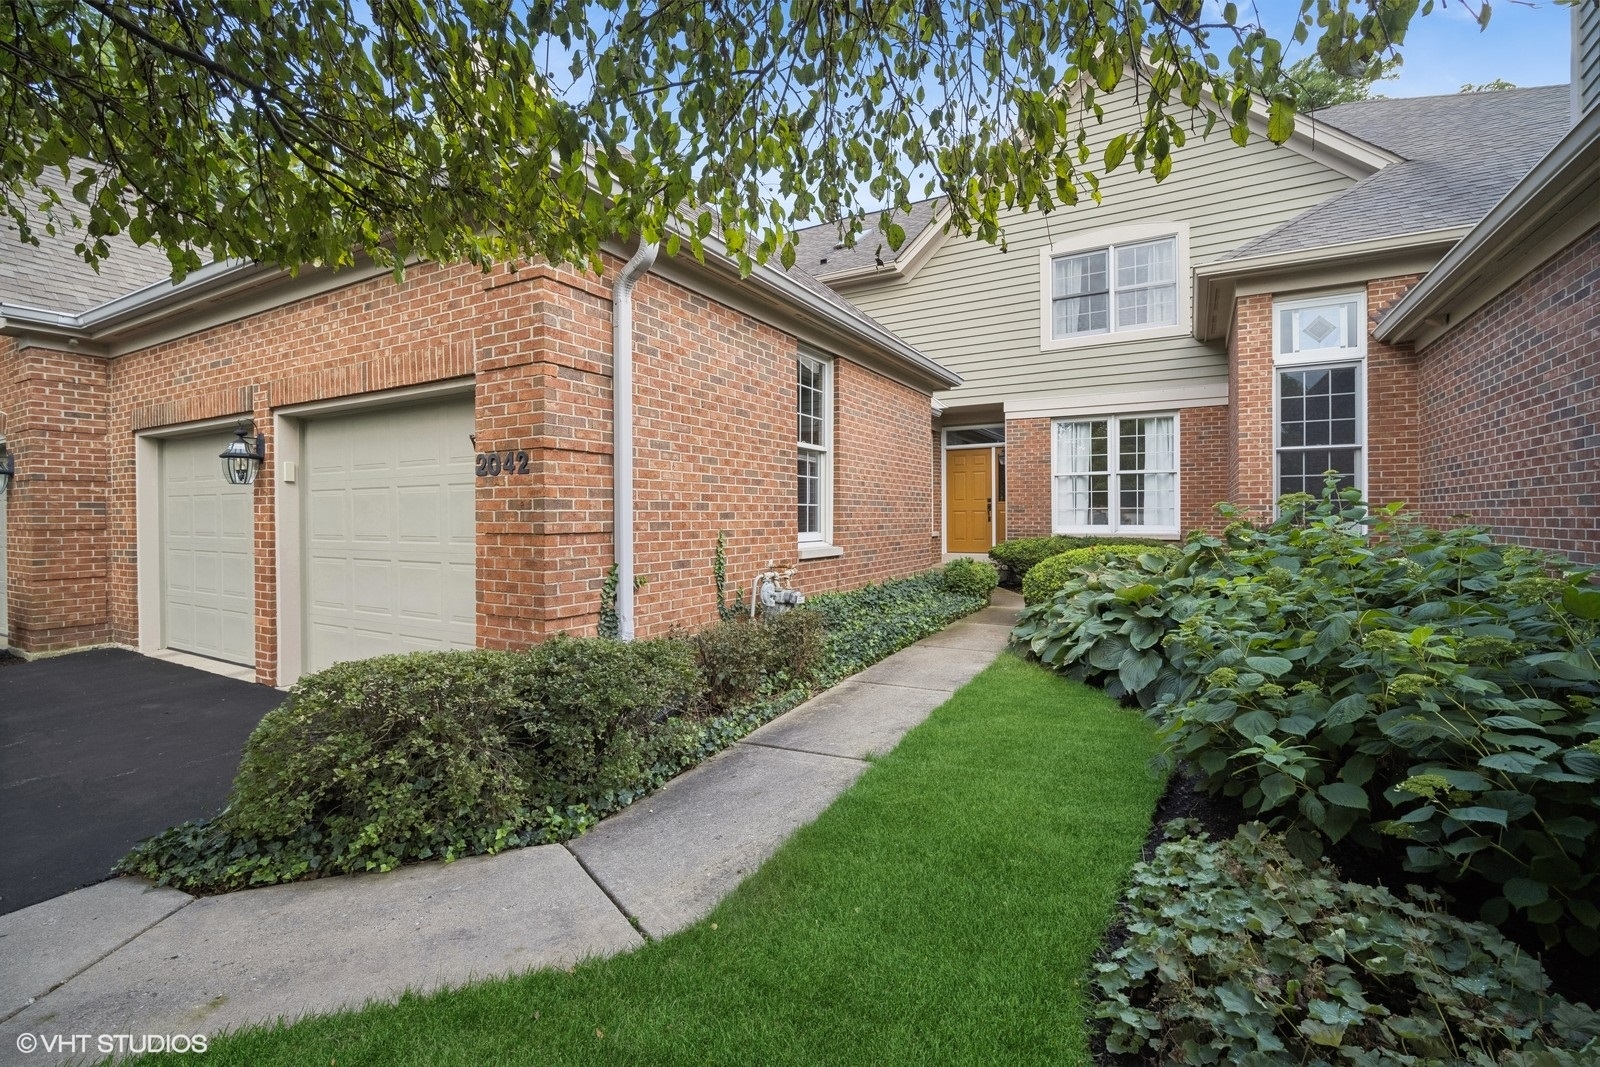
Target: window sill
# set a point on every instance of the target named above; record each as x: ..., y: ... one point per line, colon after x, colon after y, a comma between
x: 819, y: 550
x: 1101, y: 531
x: 1117, y: 337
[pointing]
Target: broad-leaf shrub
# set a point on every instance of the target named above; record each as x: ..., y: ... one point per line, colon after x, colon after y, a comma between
x: 1239, y: 953
x: 1427, y: 694
x: 1106, y: 625
x: 383, y: 761
x: 1049, y: 577
x: 1020, y: 555
x: 970, y: 577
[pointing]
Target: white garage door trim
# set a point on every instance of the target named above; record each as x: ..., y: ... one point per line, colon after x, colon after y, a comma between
x: 289, y: 425
x: 151, y: 578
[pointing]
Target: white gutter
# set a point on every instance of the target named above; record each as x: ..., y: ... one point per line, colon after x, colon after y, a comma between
x: 622, y: 430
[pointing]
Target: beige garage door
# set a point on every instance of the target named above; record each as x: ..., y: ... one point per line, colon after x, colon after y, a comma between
x: 208, y: 574
x: 389, y: 564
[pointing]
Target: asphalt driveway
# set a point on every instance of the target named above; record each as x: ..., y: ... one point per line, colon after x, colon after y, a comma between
x: 100, y: 749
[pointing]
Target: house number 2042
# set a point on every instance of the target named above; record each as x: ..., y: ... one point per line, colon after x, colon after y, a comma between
x: 494, y: 464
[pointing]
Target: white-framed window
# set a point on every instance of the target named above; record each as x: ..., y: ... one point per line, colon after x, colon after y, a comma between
x: 1115, y: 284
x: 1319, y: 392
x: 814, y: 448
x: 1116, y: 474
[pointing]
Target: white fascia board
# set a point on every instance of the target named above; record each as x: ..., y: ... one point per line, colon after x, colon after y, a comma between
x: 1164, y: 398
x: 1553, y: 192
x: 905, y: 265
x: 1327, y: 144
x: 1217, y: 282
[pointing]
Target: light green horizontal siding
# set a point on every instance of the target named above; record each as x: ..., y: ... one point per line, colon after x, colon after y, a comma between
x: 975, y: 309
x: 1586, y: 57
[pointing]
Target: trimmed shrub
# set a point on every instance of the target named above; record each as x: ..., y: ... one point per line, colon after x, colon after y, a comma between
x: 732, y: 660
x: 1051, y: 575
x: 1429, y: 695
x: 970, y: 577
x: 1022, y: 554
x: 379, y: 762
x: 797, y: 643
x: 1239, y: 953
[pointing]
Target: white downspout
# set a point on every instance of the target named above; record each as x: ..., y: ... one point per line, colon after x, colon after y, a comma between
x: 622, y: 430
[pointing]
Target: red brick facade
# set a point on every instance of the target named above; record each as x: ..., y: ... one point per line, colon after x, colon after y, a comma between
x: 1393, y: 439
x: 1202, y: 479
x: 1511, y: 406
x: 714, y: 447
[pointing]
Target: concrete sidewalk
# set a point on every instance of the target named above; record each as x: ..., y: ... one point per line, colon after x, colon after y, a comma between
x: 123, y: 957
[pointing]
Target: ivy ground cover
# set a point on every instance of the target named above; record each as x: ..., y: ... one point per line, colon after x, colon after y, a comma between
x: 945, y: 910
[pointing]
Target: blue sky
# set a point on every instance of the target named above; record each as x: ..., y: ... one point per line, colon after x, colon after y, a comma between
x: 1526, y: 44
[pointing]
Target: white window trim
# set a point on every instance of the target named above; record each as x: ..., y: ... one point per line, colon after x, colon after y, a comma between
x: 1353, y: 356
x: 1320, y: 356
x: 948, y: 447
x: 1112, y: 529
x: 820, y: 544
x: 1110, y: 236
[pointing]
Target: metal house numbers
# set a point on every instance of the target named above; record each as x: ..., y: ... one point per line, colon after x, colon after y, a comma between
x: 494, y: 464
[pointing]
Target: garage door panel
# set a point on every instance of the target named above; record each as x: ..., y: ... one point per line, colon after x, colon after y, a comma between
x: 207, y: 555
x: 390, y: 533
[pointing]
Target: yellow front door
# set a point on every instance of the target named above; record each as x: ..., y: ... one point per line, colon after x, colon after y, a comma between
x: 969, y: 500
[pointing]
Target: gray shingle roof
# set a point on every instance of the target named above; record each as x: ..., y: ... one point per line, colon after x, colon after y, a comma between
x: 1460, y: 155
x: 51, y: 276
x: 819, y: 252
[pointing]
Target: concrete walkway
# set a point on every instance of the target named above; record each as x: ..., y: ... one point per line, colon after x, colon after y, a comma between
x: 124, y: 957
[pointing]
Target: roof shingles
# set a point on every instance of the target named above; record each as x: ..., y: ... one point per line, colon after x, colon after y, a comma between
x: 1460, y: 155
x: 51, y: 276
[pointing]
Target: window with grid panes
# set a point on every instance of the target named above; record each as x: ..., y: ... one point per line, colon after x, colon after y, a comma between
x: 1118, y: 473
x: 812, y: 417
x: 1120, y: 287
x: 1320, y: 348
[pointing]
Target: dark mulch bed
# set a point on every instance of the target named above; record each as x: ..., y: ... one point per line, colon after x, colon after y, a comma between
x: 7, y: 659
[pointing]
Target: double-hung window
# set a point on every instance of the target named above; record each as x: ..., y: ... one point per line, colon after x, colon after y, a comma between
x: 1319, y: 354
x: 1116, y: 474
x: 1123, y: 287
x: 814, y: 460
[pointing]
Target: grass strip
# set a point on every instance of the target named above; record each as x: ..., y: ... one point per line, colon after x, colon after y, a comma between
x: 943, y: 910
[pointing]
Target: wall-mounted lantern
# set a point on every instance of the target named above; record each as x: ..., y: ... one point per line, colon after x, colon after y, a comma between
x: 239, y: 463
x: 8, y: 468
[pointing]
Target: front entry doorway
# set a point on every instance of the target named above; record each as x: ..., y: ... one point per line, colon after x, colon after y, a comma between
x: 975, y: 493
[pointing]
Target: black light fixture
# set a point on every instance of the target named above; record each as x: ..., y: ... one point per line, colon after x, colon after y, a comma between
x: 8, y: 468
x: 239, y: 464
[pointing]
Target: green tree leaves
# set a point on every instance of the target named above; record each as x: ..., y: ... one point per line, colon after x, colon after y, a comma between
x: 313, y: 131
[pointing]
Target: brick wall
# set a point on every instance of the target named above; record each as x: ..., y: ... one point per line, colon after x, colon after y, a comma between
x: 1393, y: 470
x: 1394, y: 424
x: 1250, y: 405
x: 1510, y: 401
x: 1203, y: 444
x: 55, y: 410
x: 714, y: 448
x: 1029, y: 512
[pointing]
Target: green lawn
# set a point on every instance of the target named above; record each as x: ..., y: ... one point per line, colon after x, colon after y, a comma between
x: 944, y: 910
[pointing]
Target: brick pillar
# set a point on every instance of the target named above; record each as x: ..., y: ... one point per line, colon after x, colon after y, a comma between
x: 544, y: 387
x: 56, y: 419
x: 1250, y: 417
x: 1394, y: 410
